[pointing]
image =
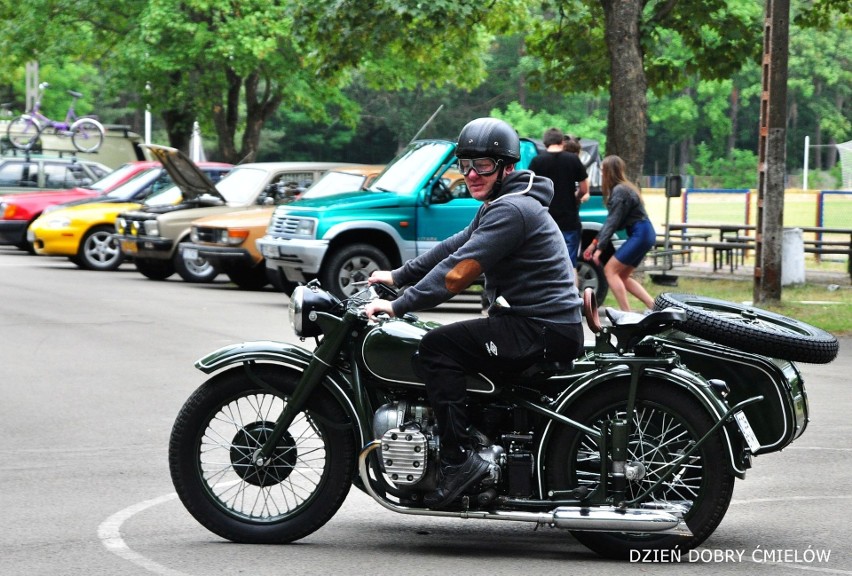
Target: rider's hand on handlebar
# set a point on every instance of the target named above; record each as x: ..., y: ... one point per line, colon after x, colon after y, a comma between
x: 377, y: 307
x: 381, y: 277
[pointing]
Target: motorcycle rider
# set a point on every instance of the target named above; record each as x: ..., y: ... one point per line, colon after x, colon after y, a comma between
x: 534, y: 313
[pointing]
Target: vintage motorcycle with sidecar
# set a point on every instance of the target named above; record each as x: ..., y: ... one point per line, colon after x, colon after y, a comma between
x: 636, y: 445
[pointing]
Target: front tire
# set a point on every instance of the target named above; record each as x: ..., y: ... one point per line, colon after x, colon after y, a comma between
x: 99, y: 250
x: 218, y: 430
x: 197, y: 270
x: 348, y: 268
x: 87, y: 135
x: 666, y: 422
x: 154, y: 269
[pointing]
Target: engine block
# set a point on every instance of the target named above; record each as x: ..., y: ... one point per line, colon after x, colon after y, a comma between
x: 404, y: 454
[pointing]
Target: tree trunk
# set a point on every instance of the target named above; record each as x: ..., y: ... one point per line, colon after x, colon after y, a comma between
x: 734, y: 116
x: 627, y: 122
x: 225, y: 117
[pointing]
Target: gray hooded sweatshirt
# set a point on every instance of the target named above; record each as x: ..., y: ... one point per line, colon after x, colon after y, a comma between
x: 515, y: 243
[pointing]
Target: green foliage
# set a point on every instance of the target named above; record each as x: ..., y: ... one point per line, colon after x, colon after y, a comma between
x: 737, y: 171
x: 533, y: 124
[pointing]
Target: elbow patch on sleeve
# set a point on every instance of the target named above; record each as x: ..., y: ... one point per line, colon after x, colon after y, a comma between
x: 462, y: 275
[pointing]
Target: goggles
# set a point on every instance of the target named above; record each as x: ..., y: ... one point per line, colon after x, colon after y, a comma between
x: 482, y: 166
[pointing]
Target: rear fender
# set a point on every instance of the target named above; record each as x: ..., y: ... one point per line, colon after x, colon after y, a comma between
x: 696, y: 387
x: 289, y: 356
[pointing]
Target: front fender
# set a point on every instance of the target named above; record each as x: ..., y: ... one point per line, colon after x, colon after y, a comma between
x: 291, y: 356
x: 256, y: 351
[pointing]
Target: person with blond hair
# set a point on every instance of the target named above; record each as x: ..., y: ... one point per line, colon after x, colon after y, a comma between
x: 626, y: 211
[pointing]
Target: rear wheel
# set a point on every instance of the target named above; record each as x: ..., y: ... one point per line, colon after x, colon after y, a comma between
x: 666, y: 423
x: 154, y: 269
x: 248, y: 278
x: 99, y: 250
x: 590, y: 275
x: 23, y: 132
x: 211, y: 459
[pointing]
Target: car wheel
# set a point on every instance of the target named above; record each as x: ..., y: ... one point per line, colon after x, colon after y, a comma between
x: 253, y: 278
x: 99, y: 250
x: 348, y: 269
x: 154, y: 269
x: 197, y: 270
x: 590, y: 275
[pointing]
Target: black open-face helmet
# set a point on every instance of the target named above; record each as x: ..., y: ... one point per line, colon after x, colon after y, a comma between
x: 489, y: 138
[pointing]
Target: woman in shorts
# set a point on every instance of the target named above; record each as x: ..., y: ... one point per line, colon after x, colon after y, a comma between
x: 626, y: 211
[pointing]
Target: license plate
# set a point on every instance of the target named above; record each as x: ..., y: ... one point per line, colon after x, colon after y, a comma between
x: 190, y: 254
x: 748, y: 433
x: 269, y: 251
x: 129, y: 247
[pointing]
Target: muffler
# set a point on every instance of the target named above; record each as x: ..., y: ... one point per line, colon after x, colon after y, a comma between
x: 580, y: 518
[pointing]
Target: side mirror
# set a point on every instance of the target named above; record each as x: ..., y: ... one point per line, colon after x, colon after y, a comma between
x: 674, y: 183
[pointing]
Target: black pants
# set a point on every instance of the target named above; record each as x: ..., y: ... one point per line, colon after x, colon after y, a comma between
x: 493, y: 345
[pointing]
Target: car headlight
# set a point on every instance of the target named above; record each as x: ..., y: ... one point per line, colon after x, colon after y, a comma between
x: 303, y: 303
x: 151, y: 228
x: 120, y: 225
x: 58, y: 222
x: 305, y: 227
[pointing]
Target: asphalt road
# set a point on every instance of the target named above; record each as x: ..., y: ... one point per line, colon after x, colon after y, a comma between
x: 95, y: 366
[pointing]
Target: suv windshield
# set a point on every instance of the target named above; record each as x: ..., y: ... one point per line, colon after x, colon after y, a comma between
x: 410, y: 170
x: 335, y: 183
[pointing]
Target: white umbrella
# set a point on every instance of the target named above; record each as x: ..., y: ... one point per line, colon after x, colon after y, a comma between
x: 196, y: 150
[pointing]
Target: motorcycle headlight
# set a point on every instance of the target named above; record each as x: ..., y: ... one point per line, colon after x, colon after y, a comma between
x: 303, y: 302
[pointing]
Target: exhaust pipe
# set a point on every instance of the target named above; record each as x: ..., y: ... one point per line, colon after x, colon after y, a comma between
x: 579, y: 518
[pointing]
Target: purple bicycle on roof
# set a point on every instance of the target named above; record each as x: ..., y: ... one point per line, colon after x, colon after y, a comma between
x: 87, y: 134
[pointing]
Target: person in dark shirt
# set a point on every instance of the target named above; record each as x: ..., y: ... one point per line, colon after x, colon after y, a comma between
x: 570, y: 187
x: 534, y: 312
x: 626, y: 211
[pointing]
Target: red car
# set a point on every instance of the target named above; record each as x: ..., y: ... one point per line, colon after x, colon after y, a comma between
x: 17, y: 211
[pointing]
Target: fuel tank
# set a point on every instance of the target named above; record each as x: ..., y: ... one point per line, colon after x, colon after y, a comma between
x: 389, y: 353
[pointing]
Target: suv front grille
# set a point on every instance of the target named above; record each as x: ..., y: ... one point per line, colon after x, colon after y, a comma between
x: 284, y: 226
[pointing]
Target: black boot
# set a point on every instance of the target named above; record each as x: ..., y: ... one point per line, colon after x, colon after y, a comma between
x: 455, y: 479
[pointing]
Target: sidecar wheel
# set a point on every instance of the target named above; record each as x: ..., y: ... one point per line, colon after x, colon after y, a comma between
x: 666, y: 422
x: 751, y: 329
x: 211, y: 451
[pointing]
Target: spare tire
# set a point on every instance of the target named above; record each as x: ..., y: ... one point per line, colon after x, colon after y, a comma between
x: 751, y: 329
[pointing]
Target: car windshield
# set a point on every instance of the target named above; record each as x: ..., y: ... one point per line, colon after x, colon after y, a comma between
x: 241, y: 184
x: 131, y: 187
x: 111, y: 179
x: 335, y: 183
x: 410, y: 170
x: 170, y: 195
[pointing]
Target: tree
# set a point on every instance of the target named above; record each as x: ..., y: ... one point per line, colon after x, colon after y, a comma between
x: 630, y: 54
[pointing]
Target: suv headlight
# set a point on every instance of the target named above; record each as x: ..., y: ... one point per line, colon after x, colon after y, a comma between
x: 120, y: 225
x: 151, y: 228
x: 305, y: 227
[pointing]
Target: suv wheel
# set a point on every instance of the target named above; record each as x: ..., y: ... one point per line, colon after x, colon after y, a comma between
x: 99, y: 250
x: 154, y: 269
x: 590, y: 275
x: 347, y: 269
x: 197, y: 270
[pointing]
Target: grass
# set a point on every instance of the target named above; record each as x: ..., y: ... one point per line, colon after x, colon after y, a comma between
x: 825, y: 306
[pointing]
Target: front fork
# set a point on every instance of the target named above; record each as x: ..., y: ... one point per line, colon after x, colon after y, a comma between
x: 336, y: 331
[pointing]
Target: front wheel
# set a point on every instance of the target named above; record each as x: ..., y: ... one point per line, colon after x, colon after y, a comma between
x: 666, y: 423
x: 87, y: 135
x: 211, y: 458
x: 197, y: 269
x: 347, y: 269
x: 99, y: 250
x: 154, y: 269
x: 23, y: 131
